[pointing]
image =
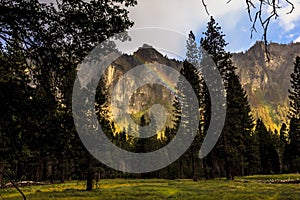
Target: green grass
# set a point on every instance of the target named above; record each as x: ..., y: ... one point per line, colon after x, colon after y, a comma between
x: 252, y: 187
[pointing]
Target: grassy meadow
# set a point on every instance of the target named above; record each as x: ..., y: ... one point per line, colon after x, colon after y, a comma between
x: 251, y: 187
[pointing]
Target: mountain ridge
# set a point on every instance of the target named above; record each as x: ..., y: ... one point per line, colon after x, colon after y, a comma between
x: 267, y: 82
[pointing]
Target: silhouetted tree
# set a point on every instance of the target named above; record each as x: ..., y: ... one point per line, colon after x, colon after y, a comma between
x: 51, y: 42
x: 283, y: 141
x: 238, y: 122
x: 293, y: 148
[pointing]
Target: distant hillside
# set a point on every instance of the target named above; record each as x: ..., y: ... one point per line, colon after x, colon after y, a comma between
x: 267, y: 83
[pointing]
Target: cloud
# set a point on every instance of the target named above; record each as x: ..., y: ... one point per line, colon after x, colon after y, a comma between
x: 183, y: 16
x: 297, y: 39
x: 289, y: 21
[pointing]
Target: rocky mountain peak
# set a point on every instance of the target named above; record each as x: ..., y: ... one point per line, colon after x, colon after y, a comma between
x: 148, y: 54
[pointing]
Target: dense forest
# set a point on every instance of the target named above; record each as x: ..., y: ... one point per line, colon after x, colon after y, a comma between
x: 41, y: 47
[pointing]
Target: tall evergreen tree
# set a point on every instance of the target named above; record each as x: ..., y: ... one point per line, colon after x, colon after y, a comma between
x: 238, y: 123
x: 192, y: 54
x: 293, y: 149
x: 214, y: 44
x: 191, y: 71
x: 269, y: 159
x: 194, y: 77
x: 283, y: 141
x: 294, y: 92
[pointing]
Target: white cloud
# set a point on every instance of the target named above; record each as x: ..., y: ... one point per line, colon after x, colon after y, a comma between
x: 297, y: 39
x: 183, y: 16
x: 289, y: 21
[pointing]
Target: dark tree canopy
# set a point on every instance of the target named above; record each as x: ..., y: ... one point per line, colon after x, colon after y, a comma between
x: 41, y: 46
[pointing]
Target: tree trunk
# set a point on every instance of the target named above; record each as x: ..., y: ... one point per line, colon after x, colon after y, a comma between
x: 213, y: 166
x: 38, y: 171
x: 204, y: 164
x: 227, y: 169
x: 1, y: 174
x: 52, y: 170
x: 195, y: 176
x: 89, y: 181
x: 45, y: 169
x: 280, y: 156
x: 227, y: 163
x: 242, y: 166
x: 62, y: 171
x: 98, y: 176
x: 90, y: 174
x: 180, y: 165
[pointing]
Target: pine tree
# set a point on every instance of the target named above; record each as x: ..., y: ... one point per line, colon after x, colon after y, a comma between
x: 283, y: 141
x: 294, y: 92
x: 192, y: 75
x: 238, y: 125
x: 214, y: 44
x: 253, y: 154
x: 192, y: 54
x: 293, y: 149
x: 263, y: 137
x: 269, y: 159
x: 238, y: 122
x: 192, y: 71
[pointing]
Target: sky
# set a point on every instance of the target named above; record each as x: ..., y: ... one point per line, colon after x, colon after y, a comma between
x: 183, y: 16
x: 187, y: 15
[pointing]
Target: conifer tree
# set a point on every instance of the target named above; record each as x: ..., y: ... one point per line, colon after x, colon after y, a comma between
x: 194, y: 77
x: 192, y: 54
x: 294, y: 92
x: 191, y: 71
x: 238, y: 122
x: 283, y: 140
x: 269, y: 159
x: 238, y: 125
x: 293, y: 149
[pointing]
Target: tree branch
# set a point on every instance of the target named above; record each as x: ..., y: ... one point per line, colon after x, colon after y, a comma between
x: 258, y: 14
x: 205, y: 6
x: 13, y: 183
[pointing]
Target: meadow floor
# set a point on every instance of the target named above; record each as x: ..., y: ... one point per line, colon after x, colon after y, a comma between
x: 251, y: 187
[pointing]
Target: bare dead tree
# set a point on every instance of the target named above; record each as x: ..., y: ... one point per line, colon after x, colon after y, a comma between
x: 256, y: 8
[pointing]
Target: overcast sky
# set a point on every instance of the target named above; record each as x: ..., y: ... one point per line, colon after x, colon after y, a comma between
x: 185, y: 15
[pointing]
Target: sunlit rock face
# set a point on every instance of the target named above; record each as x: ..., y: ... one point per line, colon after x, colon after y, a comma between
x: 267, y: 82
x: 139, y: 102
